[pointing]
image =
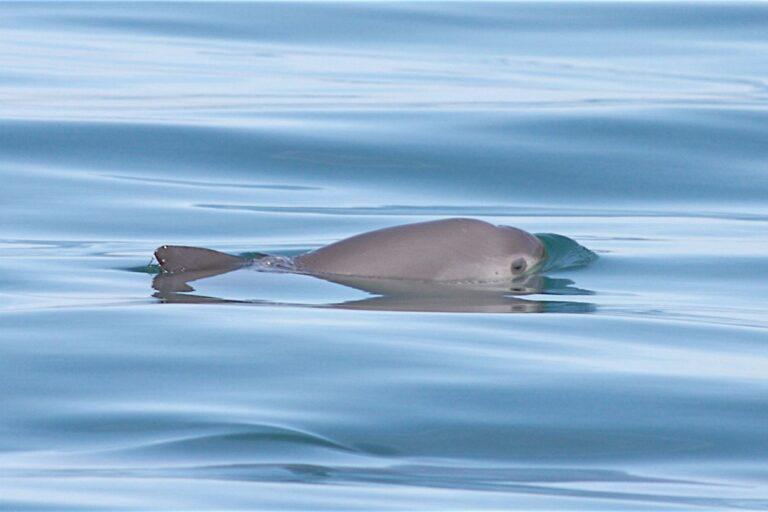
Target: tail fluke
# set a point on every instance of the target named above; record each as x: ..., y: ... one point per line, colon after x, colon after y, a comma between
x: 178, y: 258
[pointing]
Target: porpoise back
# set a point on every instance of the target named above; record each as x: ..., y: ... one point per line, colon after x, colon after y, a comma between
x: 455, y: 249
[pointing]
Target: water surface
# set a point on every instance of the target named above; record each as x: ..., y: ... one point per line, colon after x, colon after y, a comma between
x: 636, y: 383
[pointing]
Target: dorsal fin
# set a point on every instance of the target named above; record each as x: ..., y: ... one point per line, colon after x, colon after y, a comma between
x: 179, y: 258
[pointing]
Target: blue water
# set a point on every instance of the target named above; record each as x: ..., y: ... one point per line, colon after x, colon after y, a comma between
x: 639, y: 382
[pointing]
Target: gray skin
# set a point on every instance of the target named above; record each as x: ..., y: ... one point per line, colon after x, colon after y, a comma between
x: 441, y: 250
x: 446, y: 250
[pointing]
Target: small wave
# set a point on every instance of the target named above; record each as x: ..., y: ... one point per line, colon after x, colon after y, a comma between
x: 256, y: 441
x: 564, y: 252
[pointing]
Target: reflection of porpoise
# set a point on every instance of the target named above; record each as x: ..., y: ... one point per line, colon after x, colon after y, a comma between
x: 402, y: 294
x: 442, y: 250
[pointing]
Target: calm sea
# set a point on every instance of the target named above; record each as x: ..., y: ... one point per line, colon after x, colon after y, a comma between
x: 639, y: 382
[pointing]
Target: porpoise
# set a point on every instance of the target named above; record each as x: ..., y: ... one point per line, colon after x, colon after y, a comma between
x: 448, y: 250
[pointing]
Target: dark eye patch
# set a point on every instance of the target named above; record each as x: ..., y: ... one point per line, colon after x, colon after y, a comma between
x: 519, y: 265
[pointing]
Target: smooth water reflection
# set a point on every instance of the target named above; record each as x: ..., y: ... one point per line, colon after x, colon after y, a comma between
x: 636, y: 129
x: 399, y: 295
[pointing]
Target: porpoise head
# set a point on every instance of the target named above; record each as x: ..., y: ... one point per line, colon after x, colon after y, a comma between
x: 528, y: 254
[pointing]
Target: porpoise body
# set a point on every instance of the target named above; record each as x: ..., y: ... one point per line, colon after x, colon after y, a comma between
x: 441, y: 250
x: 446, y: 250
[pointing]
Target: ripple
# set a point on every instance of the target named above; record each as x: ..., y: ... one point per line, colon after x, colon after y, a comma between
x: 571, y: 482
x: 209, y: 184
x: 254, y: 441
x: 495, y: 211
